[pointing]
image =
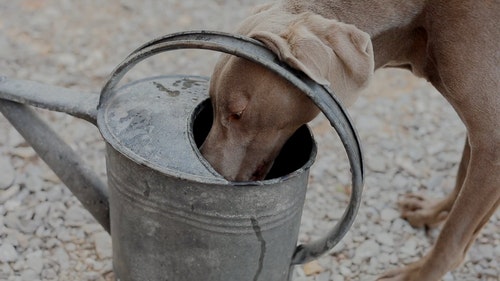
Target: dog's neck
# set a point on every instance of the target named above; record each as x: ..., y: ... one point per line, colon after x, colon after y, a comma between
x: 391, y: 24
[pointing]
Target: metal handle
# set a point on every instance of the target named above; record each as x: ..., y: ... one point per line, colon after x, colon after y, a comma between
x: 322, y: 96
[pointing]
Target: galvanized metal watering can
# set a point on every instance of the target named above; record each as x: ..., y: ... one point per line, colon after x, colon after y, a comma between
x: 170, y: 215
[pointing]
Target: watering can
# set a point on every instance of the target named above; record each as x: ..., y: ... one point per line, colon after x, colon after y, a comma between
x: 171, y: 216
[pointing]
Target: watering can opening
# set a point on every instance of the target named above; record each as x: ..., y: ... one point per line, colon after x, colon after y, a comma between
x: 298, y: 152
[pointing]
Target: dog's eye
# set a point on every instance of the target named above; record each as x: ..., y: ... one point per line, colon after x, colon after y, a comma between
x: 236, y: 116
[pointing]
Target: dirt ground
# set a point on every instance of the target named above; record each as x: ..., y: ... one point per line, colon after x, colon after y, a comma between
x: 411, y: 137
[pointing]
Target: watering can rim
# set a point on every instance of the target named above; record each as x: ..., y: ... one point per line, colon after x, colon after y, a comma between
x: 111, y: 139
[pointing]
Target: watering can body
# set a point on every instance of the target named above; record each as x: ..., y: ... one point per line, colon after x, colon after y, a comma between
x: 170, y: 215
x: 169, y: 208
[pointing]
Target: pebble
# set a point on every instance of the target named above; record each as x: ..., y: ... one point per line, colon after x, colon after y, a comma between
x: 35, y: 261
x: 385, y: 239
x: 29, y: 275
x: 7, y: 252
x: 102, y: 243
x: 8, y: 175
x: 377, y: 164
x: 9, y: 192
x: 337, y: 277
x: 448, y: 277
x: 367, y: 249
x: 324, y: 276
x: 62, y: 258
x: 345, y: 271
x: 312, y: 268
x: 409, y: 247
x: 76, y: 216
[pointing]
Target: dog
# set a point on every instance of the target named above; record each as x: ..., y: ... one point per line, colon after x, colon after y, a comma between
x: 339, y: 43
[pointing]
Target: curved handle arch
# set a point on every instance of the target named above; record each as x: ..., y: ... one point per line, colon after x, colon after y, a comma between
x: 322, y: 96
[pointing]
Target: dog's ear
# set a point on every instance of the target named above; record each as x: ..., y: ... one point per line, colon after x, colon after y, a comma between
x: 328, y: 51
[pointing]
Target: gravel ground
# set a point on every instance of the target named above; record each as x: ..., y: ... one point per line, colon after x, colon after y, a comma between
x: 412, y: 142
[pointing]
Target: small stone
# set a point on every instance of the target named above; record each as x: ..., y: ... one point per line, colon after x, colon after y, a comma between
x: 324, y: 276
x: 367, y: 249
x: 377, y: 164
x: 312, y: 268
x: 102, y: 243
x: 7, y: 172
x: 389, y: 214
x: 5, y: 271
x: 29, y: 275
x: 23, y: 152
x: 337, y: 277
x: 29, y: 226
x: 92, y: 276
x: 11, y: 220
x: 8, y: 192
x: 66, y: 59
x: 407, y: 166
x: 64, y: 235
x: 437, y: 146
x: 110, y: 276
x: 410, y: 247
x: 487, y: 251
x: 385, y: 239
x: 416, y: 153
x: 70, y: 247
x: 41, y: 210
x: 76, y: 216
x: 15, y: 139
x: 18, y: 265
x: 91, y: 228
x: 448, y: 277
x: 54, y: 194
x: 62, y: 258
x: 34, y: 261
x: 345, y: 271
x: 49, y: 274
x: 51, y: 177
x: 7, y: 252
x: 184, y: 20
x: 497, y: 251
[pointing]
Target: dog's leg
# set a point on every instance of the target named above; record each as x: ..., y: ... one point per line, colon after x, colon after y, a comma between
x: 479, y: 196
x: 476, y: 202
x: 464, y: 68
x: 422, y: 210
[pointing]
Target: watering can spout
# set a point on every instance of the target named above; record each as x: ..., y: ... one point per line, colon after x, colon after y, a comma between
x: 78, y: 104
x: 83, y: 182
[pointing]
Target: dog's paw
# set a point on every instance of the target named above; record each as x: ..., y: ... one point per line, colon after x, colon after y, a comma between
x: 421, y: 211
x: 396, y: 275
x: 407, y: 273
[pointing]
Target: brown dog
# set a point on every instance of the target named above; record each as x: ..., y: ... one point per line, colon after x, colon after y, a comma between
x: 453, y: 44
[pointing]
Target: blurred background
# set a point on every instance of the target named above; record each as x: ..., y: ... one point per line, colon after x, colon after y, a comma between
x: 412, y: 141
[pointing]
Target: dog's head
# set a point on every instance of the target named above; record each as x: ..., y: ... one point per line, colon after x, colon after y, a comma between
x: 255, y: 111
